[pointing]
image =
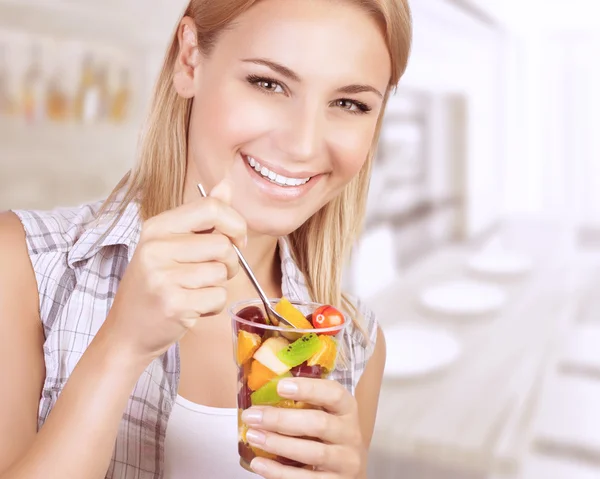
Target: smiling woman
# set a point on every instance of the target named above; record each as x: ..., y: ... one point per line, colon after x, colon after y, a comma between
x: 275, y: 107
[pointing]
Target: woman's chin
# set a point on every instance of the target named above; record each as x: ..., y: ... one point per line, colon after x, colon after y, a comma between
x: 274, y: 225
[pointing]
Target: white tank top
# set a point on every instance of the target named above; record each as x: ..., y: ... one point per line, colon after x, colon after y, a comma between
x: 202, y: 442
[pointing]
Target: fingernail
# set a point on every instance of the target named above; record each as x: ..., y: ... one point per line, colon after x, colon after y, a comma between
x: 258, y: 466
x: 255, y: 437
x: 287, y: 387
x: 252, y: 416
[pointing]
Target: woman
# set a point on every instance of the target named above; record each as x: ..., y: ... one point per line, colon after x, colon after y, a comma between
x: 114, y: 316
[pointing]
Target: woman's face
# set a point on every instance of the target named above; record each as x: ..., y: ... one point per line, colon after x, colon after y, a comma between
x: 286, y: 106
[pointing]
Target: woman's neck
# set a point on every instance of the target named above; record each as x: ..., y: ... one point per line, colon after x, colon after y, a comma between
x: 261, y: 253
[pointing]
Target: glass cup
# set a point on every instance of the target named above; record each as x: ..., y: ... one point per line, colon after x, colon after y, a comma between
x: 265, y: 354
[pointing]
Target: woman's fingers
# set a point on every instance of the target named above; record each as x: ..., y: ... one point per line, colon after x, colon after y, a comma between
x: 191, y: 304
x: 298, y: 423
x: 193, y: 248
x: 328, y: 394
x: 270, y: 469
x: 198, y: 276
x: 201, y: 215
x: 323, y: 456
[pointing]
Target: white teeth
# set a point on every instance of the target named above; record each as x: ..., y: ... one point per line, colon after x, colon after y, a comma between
x: 274, y: 177
x: 280, y: 179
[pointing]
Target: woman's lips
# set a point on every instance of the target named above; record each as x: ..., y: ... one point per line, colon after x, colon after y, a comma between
x: 275, y: 190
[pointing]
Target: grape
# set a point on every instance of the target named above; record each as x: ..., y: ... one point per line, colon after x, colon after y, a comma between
x: 244, y: 401
x: 289, y: 462
x: 246, y: 453
x: 306, y: 371
x: 252, y: 314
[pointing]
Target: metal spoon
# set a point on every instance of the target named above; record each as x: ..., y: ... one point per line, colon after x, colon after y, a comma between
x: 273, y: 316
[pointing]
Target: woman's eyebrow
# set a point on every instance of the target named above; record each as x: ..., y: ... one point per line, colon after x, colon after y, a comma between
x: 350, y: 89
x: 277, y: 67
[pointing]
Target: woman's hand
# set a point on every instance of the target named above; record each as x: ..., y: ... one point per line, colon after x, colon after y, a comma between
x: 177, y: 275
x: 337, y: 450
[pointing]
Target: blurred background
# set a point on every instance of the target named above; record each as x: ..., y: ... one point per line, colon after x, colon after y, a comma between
x: 481, y: 252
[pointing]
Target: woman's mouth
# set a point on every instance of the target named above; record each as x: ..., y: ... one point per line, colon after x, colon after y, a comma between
x: 273, y: 177
x: 280, y: 185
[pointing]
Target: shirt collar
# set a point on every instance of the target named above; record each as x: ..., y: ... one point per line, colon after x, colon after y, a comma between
x: 103, y: 231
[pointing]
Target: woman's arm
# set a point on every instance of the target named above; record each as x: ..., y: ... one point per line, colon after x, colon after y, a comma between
x: 175, y: 277
x: 21, y: 340
x: 368, y: 388
x: 78, y: 438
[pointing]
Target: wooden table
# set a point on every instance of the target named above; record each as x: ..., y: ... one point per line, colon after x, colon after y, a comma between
x: 472, y: 421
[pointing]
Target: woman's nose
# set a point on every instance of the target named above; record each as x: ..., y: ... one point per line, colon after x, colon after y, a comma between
x: 303, y: 134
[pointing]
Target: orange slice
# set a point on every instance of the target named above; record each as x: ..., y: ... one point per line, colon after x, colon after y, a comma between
x: 294, y: 316
x: 247, y: 344
x: 325, y: 356
x: 260, y: 453
x: 259, y: 376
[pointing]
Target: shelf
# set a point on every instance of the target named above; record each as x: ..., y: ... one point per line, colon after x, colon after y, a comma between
x: 24, y: 146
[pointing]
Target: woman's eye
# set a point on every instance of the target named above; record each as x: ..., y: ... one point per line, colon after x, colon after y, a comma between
x: 352, y: 106
x: 266, y: 84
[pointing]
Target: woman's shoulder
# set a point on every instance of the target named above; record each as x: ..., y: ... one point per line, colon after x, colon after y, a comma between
x: 12, y: 234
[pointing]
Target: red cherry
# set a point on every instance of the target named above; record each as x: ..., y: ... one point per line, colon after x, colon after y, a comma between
x: 327, y: 317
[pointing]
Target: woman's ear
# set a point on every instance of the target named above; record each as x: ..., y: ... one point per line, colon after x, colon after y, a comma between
x: 188, y: 58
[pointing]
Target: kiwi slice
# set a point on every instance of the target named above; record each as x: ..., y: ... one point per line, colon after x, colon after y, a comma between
x: 300, y: 350
x: 267, y: 395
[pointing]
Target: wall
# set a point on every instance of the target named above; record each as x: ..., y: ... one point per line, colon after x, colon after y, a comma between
x: 456, y: 63
x: 553, y: 165
x: 455, y: 53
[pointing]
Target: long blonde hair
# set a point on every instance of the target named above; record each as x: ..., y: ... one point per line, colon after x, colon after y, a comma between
x: 323, y: 244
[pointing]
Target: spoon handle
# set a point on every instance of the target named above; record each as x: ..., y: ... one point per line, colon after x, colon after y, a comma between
x: 247, y: 269
x: 250, y: 274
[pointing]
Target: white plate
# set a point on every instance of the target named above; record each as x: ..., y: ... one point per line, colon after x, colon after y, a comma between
x: 414, y: 351
x: 463, y: 298
x: 500, y: 263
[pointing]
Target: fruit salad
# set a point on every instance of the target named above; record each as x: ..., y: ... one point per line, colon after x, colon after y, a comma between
x: 265, y: 354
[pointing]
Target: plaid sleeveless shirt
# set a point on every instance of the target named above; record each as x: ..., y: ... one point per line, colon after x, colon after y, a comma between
x: 78, y: 262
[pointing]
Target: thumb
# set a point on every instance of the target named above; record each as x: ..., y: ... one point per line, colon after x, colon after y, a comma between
x: 223, y: 191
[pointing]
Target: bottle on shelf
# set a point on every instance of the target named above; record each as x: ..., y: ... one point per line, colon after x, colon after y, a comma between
x: 103, y: 92
x: 121, y: 99
x: 6, y: 102
x: 87, y: 107
x: 33, y: 89
x: 57, y: 101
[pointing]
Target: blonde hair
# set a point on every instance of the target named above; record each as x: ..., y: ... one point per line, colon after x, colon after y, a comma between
x: 323, y: 244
